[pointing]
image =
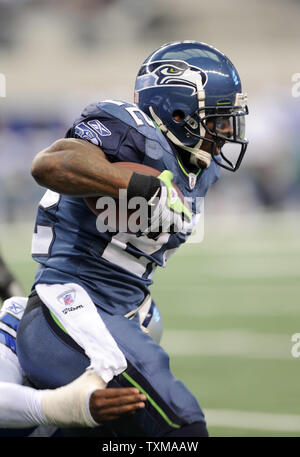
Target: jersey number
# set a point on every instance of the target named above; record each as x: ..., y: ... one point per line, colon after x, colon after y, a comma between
x: 43, y: 235
x: 137, y: 115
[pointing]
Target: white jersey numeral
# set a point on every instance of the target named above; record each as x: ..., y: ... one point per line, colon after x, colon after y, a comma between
x: 138, y: 115
x: 42, y: 240
x: 43, y: 235
x: 49, y: 199
x: 134, y: 111
x: 116, y: 253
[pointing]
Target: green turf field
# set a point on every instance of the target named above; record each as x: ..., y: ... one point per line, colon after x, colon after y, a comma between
x: 230, y: 306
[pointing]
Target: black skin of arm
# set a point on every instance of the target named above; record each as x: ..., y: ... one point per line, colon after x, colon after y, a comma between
x: 78, y: 168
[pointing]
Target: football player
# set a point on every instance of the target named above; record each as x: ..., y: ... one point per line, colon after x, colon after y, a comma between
x: 25, y: 411
x: 189, y: 106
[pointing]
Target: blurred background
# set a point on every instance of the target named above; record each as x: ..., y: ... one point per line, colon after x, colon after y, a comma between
x: 231, y: 341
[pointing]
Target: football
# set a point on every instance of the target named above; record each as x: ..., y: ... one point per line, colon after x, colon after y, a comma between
x: 120, y: 210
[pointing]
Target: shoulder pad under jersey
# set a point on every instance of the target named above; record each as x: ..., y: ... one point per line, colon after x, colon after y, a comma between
x: 112, y: 123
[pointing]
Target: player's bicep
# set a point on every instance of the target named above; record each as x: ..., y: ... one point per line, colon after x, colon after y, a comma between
x: 64, y: 152
x: 64, y: 145
x: 78, y: 168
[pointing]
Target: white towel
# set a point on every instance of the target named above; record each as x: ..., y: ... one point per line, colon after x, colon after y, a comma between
x: 76, y: 312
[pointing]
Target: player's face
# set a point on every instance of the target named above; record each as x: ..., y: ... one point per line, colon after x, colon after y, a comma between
x: 223, y: 127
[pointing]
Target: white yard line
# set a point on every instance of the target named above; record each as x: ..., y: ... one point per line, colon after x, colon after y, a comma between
x: 251, y: 248
x: 254, y: 309
x: 252, y: 420
x: 233, y: 343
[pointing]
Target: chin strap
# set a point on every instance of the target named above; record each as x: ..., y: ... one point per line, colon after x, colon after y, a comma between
x: 197, y: 153
x: 200, y: 156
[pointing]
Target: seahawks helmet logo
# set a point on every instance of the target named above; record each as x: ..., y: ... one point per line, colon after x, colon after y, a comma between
x: 178, y: 73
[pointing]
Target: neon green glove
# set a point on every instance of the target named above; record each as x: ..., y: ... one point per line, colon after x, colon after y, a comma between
x: 168, y: 213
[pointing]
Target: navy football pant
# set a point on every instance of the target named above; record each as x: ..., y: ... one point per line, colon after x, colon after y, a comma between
x: 50, y: 358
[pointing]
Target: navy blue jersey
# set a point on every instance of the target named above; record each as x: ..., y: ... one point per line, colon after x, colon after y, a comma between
x: 115, y: 268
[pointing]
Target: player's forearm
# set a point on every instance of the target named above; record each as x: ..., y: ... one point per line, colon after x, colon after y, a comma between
x: 78, y: 168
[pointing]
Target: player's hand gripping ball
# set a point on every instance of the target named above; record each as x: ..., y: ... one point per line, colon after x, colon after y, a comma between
x: 117, y: 215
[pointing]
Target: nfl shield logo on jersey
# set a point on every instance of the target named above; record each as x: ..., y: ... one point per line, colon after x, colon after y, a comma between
x: 173, y: 195
x: 67, y: 298
x: 192, y: 180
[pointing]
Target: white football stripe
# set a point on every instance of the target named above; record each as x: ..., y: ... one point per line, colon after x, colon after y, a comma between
x: 8, y: 329
x: 233, y: 343
x: 239, y: 309
x: 252, y: 420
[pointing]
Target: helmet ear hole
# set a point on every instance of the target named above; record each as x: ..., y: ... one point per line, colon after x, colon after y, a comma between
x: 178, y: 115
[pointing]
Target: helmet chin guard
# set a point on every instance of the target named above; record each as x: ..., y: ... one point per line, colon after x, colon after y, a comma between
x: 232, y: 116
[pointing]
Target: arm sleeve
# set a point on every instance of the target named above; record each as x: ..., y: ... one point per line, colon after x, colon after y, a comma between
x: 20, y: 406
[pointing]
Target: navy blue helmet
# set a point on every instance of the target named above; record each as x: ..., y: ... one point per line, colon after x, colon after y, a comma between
x: 192, y: 91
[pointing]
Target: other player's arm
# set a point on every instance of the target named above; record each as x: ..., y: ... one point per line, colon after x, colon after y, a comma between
x: 83, y: 403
